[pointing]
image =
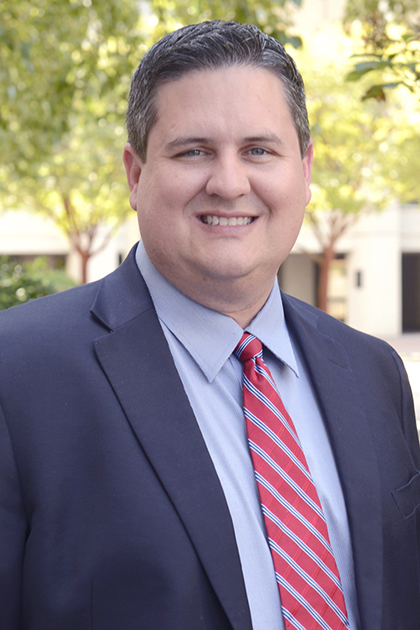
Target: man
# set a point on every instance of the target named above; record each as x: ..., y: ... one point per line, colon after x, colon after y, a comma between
x: 131, y: 494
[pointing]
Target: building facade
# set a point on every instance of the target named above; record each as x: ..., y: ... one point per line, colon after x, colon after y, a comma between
x: 375, y: 281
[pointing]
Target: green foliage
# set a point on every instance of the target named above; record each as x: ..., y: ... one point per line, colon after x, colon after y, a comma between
x: 390, y: 54
x: 365, y: 153
x: 400, y: 61
x: 82, y: 183
x: 272, y: 16
x: 346, y: 174
x: 21, y: 283
x: 57, y: 59
x: 400, y: 147
x: 63, y: 63
x: 401, y: 10
x: 65, y: 71
x: 352, y: 172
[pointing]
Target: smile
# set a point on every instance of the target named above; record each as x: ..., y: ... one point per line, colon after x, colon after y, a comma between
x: 213, y: 220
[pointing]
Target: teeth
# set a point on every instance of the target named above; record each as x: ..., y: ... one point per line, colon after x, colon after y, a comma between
x: 213, y: 220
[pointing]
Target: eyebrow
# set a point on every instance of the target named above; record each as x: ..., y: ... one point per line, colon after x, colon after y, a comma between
x: 185, y: 141
x: 270, y: 138
x: 181, y: 142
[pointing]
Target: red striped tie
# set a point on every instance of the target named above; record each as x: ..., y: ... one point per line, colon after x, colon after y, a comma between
x: 306, y: 573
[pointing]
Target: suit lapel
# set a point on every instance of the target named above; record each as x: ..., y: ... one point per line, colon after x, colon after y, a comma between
x: 139, y: 366
x: 342, y: 409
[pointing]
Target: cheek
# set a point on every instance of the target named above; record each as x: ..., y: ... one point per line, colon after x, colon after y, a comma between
x: 157, y: 237
x: 162, y: 227
x: 286, y: 221
x: 294, y: 221
x: 170, y: 195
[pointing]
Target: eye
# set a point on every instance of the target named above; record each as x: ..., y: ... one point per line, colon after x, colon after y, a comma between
x: 258, y: 151
x: 192, y: 153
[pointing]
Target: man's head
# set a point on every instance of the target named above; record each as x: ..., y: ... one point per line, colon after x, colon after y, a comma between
x: 210, y: 46
x: 222, y: 194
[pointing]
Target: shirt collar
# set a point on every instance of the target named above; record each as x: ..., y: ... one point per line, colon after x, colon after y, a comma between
x: 211, y: 337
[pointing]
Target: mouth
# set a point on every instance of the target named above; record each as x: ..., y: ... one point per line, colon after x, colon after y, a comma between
x: 209, y: 219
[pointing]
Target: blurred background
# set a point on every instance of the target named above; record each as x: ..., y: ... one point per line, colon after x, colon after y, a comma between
x: 65, y: 71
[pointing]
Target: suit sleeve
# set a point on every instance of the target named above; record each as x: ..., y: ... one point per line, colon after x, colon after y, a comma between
x: 12, y: 534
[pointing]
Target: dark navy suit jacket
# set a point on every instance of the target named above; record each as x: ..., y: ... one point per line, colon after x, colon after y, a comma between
x: 112, y: 516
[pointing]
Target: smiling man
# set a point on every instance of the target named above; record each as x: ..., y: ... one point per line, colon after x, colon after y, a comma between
x: 230, y: 184
x: 183, y: 447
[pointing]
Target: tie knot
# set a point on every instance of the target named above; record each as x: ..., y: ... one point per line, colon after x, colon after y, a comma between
x: 248, y: 347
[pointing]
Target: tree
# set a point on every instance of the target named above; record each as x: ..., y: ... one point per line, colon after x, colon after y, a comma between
x: 274, y: 17
x: 347, y: 175
x: 399, y: 10
x: 65, y: 69
x: 400, y: 147
x: 391, y: 45
x: 56, y: 57
x: 81, y: 186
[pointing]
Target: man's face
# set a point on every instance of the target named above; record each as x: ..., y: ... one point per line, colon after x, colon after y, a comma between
x: 222, y: 194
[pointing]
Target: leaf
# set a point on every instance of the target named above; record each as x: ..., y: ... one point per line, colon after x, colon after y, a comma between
x: 354, y: 75
x: 363, y: 68
x: 367, y: 54
x: 366, y: 66
x: 294, y: 41
x: 377, y: 91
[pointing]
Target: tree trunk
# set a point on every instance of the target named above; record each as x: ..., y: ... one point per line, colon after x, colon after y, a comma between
x: 84, y: 258
x: 324, y: 264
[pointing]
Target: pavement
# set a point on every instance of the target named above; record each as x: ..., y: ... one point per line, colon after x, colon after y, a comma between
x: 408, y: 347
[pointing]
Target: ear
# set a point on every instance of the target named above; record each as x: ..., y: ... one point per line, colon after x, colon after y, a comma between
x: 133, y: 167
x: 307, y: 169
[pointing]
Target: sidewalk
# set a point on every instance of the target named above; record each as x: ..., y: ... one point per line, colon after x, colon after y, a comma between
x: 408, y: 347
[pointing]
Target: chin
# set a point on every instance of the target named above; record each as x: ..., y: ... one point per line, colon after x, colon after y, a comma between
x: 228, y: 272
x: 226, y: 261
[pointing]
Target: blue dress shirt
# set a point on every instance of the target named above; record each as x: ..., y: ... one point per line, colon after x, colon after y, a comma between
x: 202, y: 342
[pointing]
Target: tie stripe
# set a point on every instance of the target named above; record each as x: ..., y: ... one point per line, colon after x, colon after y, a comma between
x: 310, y: 581
x: 312, y: 614
x: 303, y: 547
x: 275, y: 439
x: 292, y: 510
x: 304, y: 565
x: 294, y: 486
x: 265, y: 401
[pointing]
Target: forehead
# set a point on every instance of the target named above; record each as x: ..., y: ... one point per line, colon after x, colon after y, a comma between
x: 233, y: 93
x: 225, y: 72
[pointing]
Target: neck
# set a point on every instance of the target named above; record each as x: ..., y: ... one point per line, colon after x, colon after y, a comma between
x: 237, y: 300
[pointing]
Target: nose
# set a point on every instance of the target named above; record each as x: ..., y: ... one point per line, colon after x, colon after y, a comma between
x: 228, y: 178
